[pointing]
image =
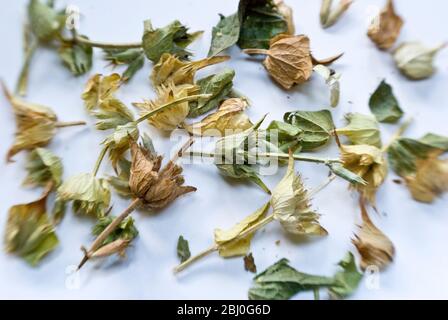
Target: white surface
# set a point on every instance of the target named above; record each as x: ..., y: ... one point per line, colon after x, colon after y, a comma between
x: 419, y: 232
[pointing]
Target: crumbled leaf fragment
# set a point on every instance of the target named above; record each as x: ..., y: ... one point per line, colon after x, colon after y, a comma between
x: 183, y: 249
x: 77, y: 57
x: 346, y: 280
x: 133, y: 59
x: 249, y: 263
x: 332, y: 80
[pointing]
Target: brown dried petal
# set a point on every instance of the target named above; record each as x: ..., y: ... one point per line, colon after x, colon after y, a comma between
x: 385, y: 29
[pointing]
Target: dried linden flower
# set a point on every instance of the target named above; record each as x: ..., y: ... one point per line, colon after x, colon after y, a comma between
x: 386, y: 28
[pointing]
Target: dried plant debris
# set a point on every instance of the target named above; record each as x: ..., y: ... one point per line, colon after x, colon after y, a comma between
x: 332, y: 80
x: 386, y: 27
x: 183, y: 249
x: 281, y: 281
x: 384, y: 105
x: 133, y: 59
x: 416, y: 61
x: 361, y: 129
x: 44, y: 168
x: 249, y: 263
x: 373, y: 245
x: 329, y: 15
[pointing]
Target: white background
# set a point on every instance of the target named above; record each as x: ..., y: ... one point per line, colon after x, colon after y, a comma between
x: 419, y: 231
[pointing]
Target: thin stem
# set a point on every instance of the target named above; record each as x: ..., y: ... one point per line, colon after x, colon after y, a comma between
x: 63, y: 124
x: 195, y: 258
x: 106, y: 45
x: 108, y: 230
x: 99, y: 160
x: 255, y: 51
x: 22, y: 82
x: 316, y: 293
x: 398, y: 134
x: 170, y: 104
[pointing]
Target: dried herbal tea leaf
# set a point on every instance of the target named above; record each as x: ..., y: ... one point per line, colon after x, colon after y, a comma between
x: 157, y: 187
x: 332, y: 80
x: 229, y: 242
x: 170, y: 118
x: 262, y: 20
x: 317, y: 127
x: 126, y: 230
x: 369, y: 163
x: 373, y: 245
x: 29, y: 233
x: 171, y: 69
x: 242, y: 172
x: 118, y: 142
x: 347, y: 280
x: 89, y: 195
x: 77, y: 57
x: 183, y: 249
x: 361, y: 129
x: 225, y: 34
x: 287, y: 136
x: 385, y: 29
x: 219, y: 86
x: 173, y: 38
x: 430, y: 179
x: 44, y: 168
x: 112, y: 113
x: 228, y: 118
x: 416, y: 61
x: 384, y: 105
x: 36, y: 125
x: 120, y: 182
x: 249, y: 263
x: 280, y: 282
x: 134, y: 59
x: 292, y: 207
x: 45, y: 22
x: 58, y: 211
x: 99, y: 89
x: 329, y: 17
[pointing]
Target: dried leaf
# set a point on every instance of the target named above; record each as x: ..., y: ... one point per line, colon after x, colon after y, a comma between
x: 168, y: 119
x: 347, y: 280
x: 183, y: 250
x: 170, y: 69
x: 369, y: 163
x: 332, y: 80
x: 385, y: 29
x: 229, y: 242
x: 120, y: 182
x: 228, y: 118
x: 225, y: 34
x: 242, y: 172
x: 339, y: 170
x: 99, y: 89
x: 58, y: 211
x: 45, y: 22
x: 134, y: 59
x: 77, y: 57
x: 36, y: 125
x: 285, y: 135
x: 43, y: 167
x: 118, y: 142
x: 29, y: 233
x: 292, y: 206
x: 219, y: 86
x: 317, y: 127
x: 373, y: 245
x: 173, y: 38
x: 89, y: 195
x: 126, y: 230
x: 329, y: 17
x: 249, y: 263
x: 361, y: 129
x: 416, y: 61
x: 384, y: 105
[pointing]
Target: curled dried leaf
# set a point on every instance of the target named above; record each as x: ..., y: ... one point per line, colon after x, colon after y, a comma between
x: 170, y: 69
x: 292, y: 207
x: 361, y: 129
x: 99, y: 88
x: 385, y: 29
x: 228, y: 118
x: 43, y: 167
x: 170, y: 118
x: 373, y: 245
x: 369, y: 163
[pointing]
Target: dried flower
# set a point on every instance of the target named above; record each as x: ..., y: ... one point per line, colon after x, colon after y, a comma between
x: 415, y: 61
x: 329, y: 17
x: 99, y: 89
x: 385, y: 28
x: 373, y: 245
x: 44, y: 168
x: 361, y: 129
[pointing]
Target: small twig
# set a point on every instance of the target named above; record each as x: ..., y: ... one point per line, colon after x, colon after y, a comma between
x: 63, y: 124
x: 106, y: 45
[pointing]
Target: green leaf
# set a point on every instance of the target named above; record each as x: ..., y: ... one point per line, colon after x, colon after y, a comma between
x: 134, y: 59
x: 43, y: 167
x: 260, y: 22
x: 183, y: 250
x: 404, y: 152
x: 29, y: 233
x: 58, y: 212
x: 111, y: 114
x: 242, y: 172
x: 125, y: 230
x: 361, y: 129
x: 45, y: 22
x: 316, y: 126
x: 90, y: 195
x: 225, y: 34
x: 121, y: 182
x: 218, y: 86
x: 384, y: 105
x: 339, y: 170
x: 281, y: 282
x: 289, y: 137
x: 347, y: 280
x: 76, y: 57
x: 173, y: 38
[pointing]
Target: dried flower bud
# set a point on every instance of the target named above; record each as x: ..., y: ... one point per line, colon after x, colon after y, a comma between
x: 416, y: 61
x: 116, y: 247
x: 386, y: 28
